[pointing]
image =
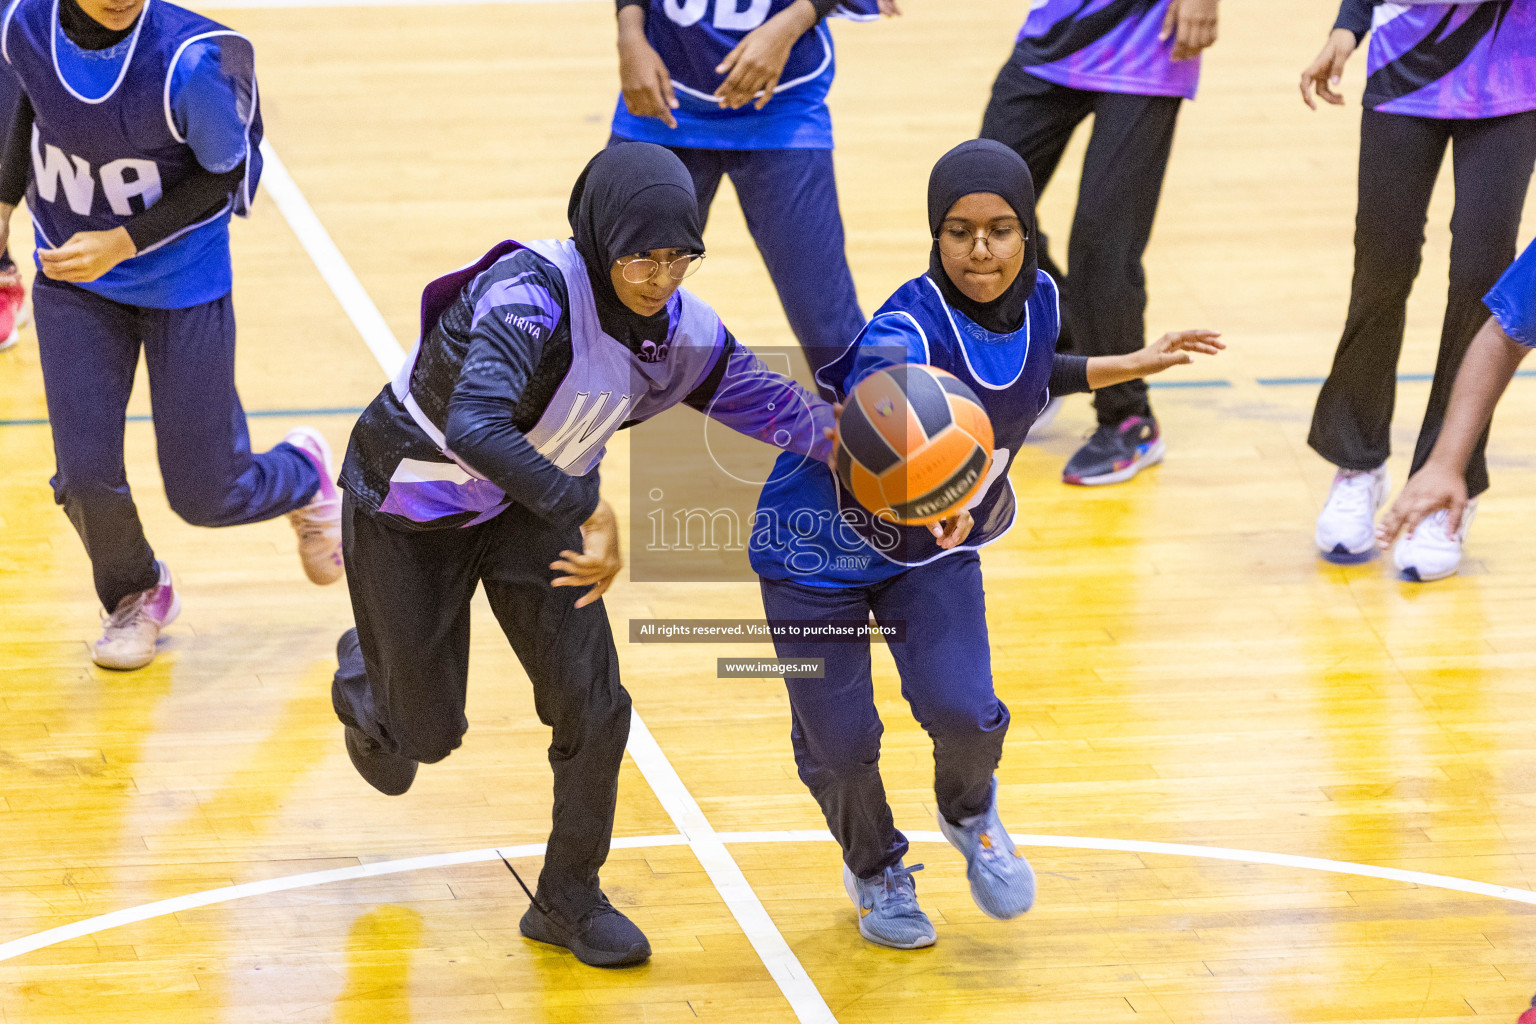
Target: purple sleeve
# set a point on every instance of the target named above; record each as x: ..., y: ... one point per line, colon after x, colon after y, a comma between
x: 753, y: 400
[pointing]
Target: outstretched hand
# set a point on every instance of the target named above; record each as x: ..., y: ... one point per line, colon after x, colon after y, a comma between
x: 1430, y: 490
x: 1174, y: 348
x: 1324, y: 72
x: 599, y: 561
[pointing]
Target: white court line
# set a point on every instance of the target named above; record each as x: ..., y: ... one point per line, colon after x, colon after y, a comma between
x: 229, y: 893
x: 191, y: 901
x: 659, y: 774
x: 782, y: 964
x: 333, y: 266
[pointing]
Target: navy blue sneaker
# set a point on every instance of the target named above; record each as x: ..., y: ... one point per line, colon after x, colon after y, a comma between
x: 601, y: 937
x: 1115, y: 454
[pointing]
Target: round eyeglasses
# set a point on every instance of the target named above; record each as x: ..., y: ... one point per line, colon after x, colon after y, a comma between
x: 958, y: 241
x: 640, y: 269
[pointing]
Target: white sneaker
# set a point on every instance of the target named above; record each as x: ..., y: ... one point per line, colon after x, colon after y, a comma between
x: 130, y: 632
x: 1346, y: 527
x: 1430, y: 552
x: 318, y: 524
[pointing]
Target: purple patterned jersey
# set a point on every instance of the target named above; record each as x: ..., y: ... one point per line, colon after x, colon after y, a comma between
x: 513, y: 360
x: 1105, y: 46
x: 1466, y: 60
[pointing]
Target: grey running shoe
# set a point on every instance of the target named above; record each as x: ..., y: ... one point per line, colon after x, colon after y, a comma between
x: 888, y: 910
x: 1002, y: 882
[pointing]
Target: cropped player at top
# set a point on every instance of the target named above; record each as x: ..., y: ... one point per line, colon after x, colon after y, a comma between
x: 1440, y: 75
x: 1131, y: 64
x: 740, y: 89
x: 138, y: 124
x: 479, y: 465
x: 985, y: 313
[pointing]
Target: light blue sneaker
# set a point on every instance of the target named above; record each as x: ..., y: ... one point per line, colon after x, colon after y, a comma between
x: 1002, y: 882
x: 888, y: 910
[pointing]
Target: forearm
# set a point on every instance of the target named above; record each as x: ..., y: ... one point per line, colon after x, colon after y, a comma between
x: 1106, y: 371
x: 755, y: 401
x: 198, y: 197
x: 801, y: 16
x: 488, y: 442
x: 631, y: 20
x: 16, y: 161
x: 1486, y: 371
x: 1069, y: 375
x: 1355, y: 18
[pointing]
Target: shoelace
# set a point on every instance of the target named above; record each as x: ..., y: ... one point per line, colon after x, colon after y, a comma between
x: 129, y: 611
x: 990, y: 850
x: 1435, y: 528
x: 1352, y: 494
x: 308, y: 521
x: 896, y: 890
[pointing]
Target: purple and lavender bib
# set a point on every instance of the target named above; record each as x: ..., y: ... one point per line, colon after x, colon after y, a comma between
x: 1453, y: 60
x: 606, y: 386
x: 1105, y: 46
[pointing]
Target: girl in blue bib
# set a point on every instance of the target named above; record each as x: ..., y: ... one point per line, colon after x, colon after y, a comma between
x: 985, y: 313
x: 135, y: 136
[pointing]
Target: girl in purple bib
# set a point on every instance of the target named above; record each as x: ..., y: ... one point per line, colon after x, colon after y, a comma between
x: 478, y: 466
x: 1440, y: 75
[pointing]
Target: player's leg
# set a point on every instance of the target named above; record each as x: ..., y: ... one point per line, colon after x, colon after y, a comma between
x: 402, y: 670
x: 570, y: 657
x: 1493, y: 159
x: 1400, y: 158
x: 835, y: 731
x: 946, y: 675
x: 12, y: 293
x: 211, y: 476
x: 706, y: 167
x: 1036, y: 119
x: 789, y: 199
x: 89, y: 349
x: 1107, y: 302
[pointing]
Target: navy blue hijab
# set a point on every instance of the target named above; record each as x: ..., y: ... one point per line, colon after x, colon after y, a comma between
x: 983, y: 165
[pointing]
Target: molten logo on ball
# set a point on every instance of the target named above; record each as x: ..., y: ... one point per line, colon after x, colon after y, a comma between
x: 923, y: 454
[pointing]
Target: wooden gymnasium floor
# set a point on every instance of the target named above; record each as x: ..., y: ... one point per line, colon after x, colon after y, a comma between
x: 1181, y: 667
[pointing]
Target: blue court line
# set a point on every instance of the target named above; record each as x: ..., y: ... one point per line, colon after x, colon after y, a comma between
x: 253, y: 413
x: 1189, y: 383
x: 1403, y: 378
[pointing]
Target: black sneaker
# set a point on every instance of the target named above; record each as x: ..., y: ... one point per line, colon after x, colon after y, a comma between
x: 390, y: 774
x: 1115, y: 454
x: 601, y: 937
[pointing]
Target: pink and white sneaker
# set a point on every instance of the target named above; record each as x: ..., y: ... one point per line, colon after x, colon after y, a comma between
x: 318, y: 524
x: 13, y: 308
x: 129, y: 634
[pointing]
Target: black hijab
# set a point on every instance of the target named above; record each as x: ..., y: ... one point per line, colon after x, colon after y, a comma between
x: 632, y: 197
x: 983, y: 165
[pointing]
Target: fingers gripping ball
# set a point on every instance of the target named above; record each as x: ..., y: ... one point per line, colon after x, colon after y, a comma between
x: 913, y: 444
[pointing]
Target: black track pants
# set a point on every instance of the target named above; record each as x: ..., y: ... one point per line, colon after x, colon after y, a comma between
x: 410, y: 596
x: 1400, y: 157
x: 1104, y: 291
